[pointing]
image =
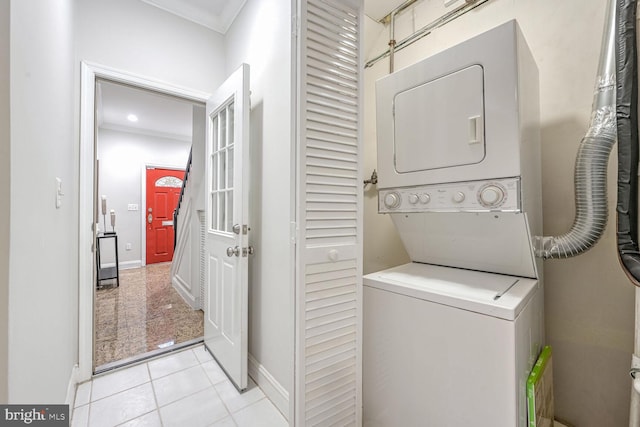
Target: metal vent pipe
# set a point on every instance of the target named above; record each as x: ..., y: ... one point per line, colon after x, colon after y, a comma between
x: 590, y: 176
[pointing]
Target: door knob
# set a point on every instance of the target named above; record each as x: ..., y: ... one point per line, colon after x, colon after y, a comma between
x: 149, y: 218
x: 233, y: 251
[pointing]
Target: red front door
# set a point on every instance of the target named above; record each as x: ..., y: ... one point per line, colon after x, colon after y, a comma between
x: 163, y: 191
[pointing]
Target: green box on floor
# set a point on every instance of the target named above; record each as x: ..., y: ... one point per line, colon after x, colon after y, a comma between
x: 540, y: 391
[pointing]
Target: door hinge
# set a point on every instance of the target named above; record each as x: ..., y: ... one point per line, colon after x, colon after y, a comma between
x: 294, y: 232
x: 248, y: 251
x: 294, y: 26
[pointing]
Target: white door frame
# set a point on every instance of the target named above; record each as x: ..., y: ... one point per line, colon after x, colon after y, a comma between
x: 89, y: 73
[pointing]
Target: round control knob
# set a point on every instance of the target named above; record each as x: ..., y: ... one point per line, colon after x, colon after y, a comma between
x: 458, y: 197
x: 491, y: 195
x: 413, y: 199
x: 424, y: 198
x: 392, y: 200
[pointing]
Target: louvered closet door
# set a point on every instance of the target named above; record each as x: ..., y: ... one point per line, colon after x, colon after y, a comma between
x: 329, y: 274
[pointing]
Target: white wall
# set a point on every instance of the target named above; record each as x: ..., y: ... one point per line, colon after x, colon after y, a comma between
x: 133, y: 36
x: 43, y: 267
x: 5, y: 179
x: 588, y: 301
x: 123, y: 157
x: 382, y: 245
x: 261, y: 37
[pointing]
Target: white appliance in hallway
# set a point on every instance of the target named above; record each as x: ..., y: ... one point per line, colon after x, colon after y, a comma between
x: 450, y: 338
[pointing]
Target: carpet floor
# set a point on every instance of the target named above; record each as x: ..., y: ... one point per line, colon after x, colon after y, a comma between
x: 143, y: 314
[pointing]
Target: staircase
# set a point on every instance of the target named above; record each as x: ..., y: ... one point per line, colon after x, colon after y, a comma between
x: 187, y: 172
x: 185, y: 273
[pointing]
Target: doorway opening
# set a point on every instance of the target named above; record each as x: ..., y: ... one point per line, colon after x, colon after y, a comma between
x: 143, y: 141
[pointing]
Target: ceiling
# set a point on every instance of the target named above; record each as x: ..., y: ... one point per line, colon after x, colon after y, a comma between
x: 378, y: 9
x: 158, y: 114
x: 217, y: 15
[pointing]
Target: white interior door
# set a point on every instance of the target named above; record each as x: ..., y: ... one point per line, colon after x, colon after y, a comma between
x: 227, y: 207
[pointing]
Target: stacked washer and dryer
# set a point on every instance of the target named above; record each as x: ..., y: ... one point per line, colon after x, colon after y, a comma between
x: 451, y: 337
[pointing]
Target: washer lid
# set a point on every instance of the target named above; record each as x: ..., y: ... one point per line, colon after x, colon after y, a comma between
x: 486, y: 293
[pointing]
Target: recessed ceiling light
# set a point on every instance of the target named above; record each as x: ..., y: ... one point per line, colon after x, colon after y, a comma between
x: 132, y: 118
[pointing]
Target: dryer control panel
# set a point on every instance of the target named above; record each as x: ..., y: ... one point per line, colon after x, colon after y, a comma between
x: 499, y: 195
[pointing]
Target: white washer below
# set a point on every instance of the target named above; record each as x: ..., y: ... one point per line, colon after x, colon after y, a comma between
x: 448, y: 347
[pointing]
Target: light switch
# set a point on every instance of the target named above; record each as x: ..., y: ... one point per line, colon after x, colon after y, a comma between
x: 132, y: 207
x: 59, y: 193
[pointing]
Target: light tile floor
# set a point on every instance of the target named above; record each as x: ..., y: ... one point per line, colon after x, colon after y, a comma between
x: 182, y: 389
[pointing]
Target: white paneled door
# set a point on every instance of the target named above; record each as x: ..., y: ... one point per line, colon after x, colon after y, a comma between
x: 227, y: 247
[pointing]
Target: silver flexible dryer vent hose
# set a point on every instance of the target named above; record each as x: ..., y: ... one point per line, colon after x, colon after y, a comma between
x: 590, y: 176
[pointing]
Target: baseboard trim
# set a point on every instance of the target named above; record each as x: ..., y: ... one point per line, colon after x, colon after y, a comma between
x: 126, y: 265
x: 71, y: 387
x: 181, y: 287
x: 270, y: 386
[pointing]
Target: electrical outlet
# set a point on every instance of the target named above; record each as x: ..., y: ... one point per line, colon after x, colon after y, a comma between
x: 127, y: 246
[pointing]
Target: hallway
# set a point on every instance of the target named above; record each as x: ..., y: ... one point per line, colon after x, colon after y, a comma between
x: 186, y: 388
x: 143, y: 314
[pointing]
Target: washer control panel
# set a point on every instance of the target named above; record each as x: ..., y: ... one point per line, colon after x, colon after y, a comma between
x: 500, y: 195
